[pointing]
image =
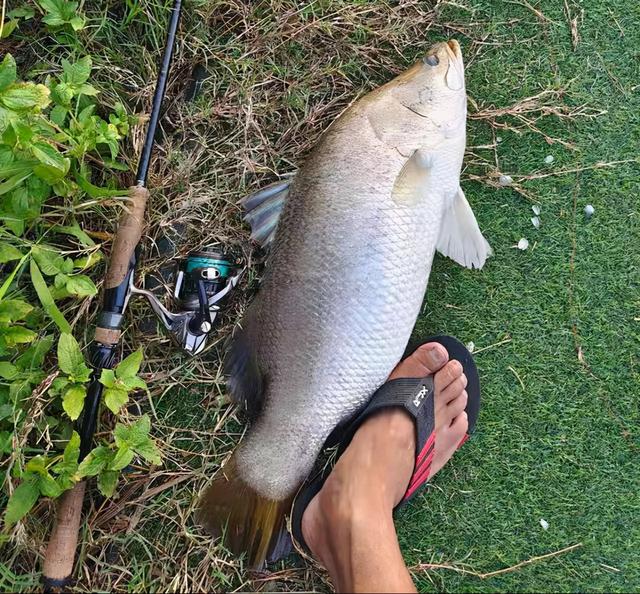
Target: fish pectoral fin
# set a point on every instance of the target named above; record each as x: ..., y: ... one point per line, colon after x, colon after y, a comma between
x: 263, y: 209
x: 460, y: 237
x: 412, y: 181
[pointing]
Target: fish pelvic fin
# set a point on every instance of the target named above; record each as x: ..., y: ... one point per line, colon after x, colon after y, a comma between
x: 245, y: 381
x: 460, y: 237
x: 246, y: 521
x: 263, y: 209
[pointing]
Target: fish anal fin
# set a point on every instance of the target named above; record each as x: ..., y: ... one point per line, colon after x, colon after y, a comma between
x: 263, y: 209
x: 460, y: 237
x: 245, y: 381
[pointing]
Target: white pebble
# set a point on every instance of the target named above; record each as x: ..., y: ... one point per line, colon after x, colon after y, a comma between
x: 548, y: 159
x: 505, y: 180
x: 536, y: 209
x: 544, y: 524
x: 470, y: 346
x: 535, y: 221
x: 498, y: 138
x: 589, y: 210
x: 523, y: 244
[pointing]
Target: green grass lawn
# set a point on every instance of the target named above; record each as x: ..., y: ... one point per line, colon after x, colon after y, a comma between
x: 556, y: 327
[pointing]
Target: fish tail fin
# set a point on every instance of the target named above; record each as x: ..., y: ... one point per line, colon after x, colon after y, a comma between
x: 460, y: 237
x: 263, y: 209
x: 247, y: 522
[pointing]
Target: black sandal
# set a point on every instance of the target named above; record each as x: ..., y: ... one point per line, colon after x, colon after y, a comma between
x: 415, y: 395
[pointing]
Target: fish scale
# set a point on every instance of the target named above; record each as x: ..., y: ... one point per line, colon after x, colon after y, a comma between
x: 349, y: 264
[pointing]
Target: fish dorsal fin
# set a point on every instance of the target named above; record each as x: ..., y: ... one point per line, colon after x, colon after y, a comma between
x: 263, y: 210
x: 412, y: 181
x: 460, y: 237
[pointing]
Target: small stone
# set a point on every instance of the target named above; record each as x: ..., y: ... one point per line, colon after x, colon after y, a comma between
x: 535, y: 221
x: 505, y: 180
x: 498, y: 138
x: 470, y: 346
x: 536, y: 209
x: 549, y: 159
x: 588, y: 211
x: 523, y: 244
x: 544, y: 524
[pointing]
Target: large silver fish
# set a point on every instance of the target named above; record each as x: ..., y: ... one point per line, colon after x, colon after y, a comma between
x: 350, y: 258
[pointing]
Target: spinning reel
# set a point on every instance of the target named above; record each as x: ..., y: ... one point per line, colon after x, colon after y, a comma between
x: 205, y: 278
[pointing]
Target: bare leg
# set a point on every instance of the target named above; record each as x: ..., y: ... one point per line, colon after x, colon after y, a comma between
x: 349, y: 525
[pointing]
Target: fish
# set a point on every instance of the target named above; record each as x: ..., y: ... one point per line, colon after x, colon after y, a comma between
x: 351, y: 237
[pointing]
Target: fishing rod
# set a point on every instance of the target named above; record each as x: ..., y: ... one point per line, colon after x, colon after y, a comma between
x: 205, y: 278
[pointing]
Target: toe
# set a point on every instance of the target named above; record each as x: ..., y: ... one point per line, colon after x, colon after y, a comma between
x: 454, y: 389
x: 425, y: 360
x: 460, y: 425
x: 448, y: 374
x: 457, y: 405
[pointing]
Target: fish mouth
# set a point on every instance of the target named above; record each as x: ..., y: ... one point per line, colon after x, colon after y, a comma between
x: 454, y: 47
x: 455, y: 72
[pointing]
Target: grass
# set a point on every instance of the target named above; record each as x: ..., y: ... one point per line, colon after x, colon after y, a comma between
x: 556, y: 327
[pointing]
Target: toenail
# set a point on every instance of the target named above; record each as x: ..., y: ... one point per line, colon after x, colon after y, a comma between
x: 456, y: 367
x: 438, y: 356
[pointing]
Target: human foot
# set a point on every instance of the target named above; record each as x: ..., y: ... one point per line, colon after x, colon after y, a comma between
x: 353, y: 511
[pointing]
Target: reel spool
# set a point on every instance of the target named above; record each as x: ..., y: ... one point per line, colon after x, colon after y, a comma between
x: 205, y: 278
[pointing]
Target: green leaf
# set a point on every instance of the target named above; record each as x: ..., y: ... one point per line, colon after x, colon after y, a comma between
x: 6, y: 411
x: 122, y: 459
x: 149, y: 451
x: 46, y: 299
x: 8, y: 252
x: 7, y: 283
x: 108, y: 378
x: 34, y: 356
x: 78, y: 72
x: 37, y: 465
x: 48, y: 486
x: 81, y: 285
x: 22, y: 500
x: 138, y: 432
x: 97, y: 191
x: 13, y: 182
x: 12, y: 310
x: 8, y: 370
x: 25, y: 96
x: 70, y: 358
x: 107, y: 482
x: 7, y: 72
x: 77, y: 23
x: 133, y: 383
x: 6, y: 442
x: 8, y: 27
x: 76, y: 231
x: 58, y: 115
x: 130, y: 366
x: 22, y: 12
x: 50, y: 157
x: 95, y: 462
x: 17, y: 335
x: 69, y: 464
x: 49, y: 261
x: 115, y: 399
x: 73, y: 401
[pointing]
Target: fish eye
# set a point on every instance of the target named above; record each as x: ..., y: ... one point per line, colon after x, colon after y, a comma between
x: 432, y: 60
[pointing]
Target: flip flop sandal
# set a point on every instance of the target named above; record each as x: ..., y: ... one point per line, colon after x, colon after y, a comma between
x: 415, y: 395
